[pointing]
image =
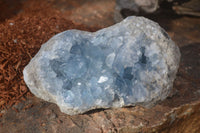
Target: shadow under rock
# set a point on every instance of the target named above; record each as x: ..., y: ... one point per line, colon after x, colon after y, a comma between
x: 94, y: 111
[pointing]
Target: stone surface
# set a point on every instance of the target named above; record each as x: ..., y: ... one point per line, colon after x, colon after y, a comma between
x: 132, y: 62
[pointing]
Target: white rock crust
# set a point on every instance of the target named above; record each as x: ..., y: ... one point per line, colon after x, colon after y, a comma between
x: 132, y: 62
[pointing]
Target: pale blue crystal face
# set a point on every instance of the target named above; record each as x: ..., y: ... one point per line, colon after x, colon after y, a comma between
x: 133, y: 62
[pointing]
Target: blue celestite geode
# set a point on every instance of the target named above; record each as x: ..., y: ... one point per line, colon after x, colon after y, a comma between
x: 132, y: 62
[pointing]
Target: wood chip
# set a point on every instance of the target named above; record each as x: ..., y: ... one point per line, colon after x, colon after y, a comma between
x: 30, y: 29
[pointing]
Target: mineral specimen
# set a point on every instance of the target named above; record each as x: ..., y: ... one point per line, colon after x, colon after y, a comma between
x: 132, y: 62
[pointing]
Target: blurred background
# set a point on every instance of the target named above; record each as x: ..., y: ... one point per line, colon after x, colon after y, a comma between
x: 26, y: 24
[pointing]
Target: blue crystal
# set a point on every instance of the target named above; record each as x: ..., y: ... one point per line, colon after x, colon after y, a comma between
x: 132, y: 62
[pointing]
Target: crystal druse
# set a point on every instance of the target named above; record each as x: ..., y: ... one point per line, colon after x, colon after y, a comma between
x: 132, y: 62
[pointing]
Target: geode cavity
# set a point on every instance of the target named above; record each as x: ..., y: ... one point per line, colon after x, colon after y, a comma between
x: 132, y: 62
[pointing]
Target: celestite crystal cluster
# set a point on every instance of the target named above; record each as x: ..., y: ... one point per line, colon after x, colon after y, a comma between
x: 132, y: 62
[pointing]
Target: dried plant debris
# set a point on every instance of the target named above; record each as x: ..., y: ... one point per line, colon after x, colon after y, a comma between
x: 20, y: 39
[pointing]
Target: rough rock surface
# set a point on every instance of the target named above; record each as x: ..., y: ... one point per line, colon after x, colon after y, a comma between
x: 132, y: 62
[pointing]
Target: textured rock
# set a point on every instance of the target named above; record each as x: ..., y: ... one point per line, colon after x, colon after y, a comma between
x: 132, y: 62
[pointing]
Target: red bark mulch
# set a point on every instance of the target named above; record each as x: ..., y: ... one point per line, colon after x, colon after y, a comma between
x: 20, y: 38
